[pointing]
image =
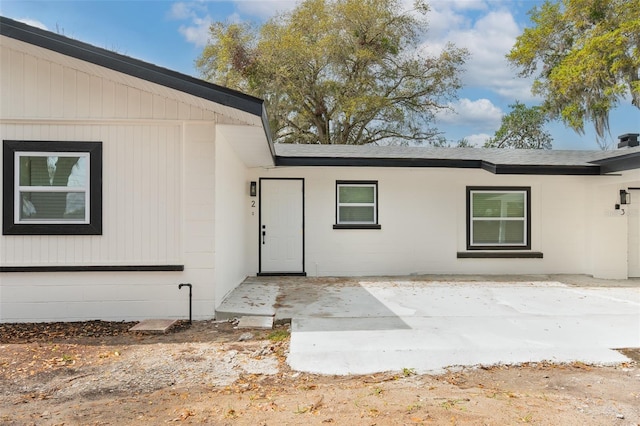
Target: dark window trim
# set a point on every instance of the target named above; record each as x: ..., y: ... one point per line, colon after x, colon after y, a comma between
x: 281, y: 274
x: 94, y: 268
x: 357, y: 225
x: 499, y: 255
x: 527, y: 190
x: 94, y: 227
x: 362, y: 226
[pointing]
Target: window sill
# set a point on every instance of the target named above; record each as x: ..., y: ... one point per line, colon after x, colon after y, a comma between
x: 345, y: 226
x: 499, y: 255
x: 94, y: 268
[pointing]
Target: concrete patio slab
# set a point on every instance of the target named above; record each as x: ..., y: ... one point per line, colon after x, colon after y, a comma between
x: 361, y: 326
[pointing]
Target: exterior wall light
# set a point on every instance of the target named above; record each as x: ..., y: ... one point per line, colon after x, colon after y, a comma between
x: 253, y: 189
x: 625, y: 197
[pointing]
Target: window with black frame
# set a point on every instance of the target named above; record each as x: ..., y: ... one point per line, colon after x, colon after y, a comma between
x: 498, y: 218
x: 52, y: 188
x: 356, y: 205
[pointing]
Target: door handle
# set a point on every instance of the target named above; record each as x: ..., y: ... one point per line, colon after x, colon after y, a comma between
x: 263, y: 234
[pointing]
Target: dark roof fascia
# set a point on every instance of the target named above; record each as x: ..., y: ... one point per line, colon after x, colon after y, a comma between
x: 375, y: 162
x: 137, y: 68
x: 620, y: 163
x: 133, y: 67
x: 525, y: 169
x: 434, y: 162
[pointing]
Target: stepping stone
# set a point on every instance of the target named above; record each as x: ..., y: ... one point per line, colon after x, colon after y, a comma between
x: 154, y: 325
x: 255, y: 322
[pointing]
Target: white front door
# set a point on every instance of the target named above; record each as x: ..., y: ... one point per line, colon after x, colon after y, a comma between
x: 633, y: 212
x: 281, y: 226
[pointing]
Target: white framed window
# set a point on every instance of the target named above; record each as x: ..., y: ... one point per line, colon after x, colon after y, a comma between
x: 498, y: 218
x: 52, y: 188
x: 357, y: 204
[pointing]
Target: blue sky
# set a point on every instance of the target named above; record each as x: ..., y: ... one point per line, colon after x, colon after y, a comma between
x: 172, y: 34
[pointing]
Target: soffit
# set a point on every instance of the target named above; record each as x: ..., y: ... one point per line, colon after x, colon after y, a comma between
x: 249, y: 143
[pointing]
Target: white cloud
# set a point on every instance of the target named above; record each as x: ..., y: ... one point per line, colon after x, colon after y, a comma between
x: 264, y: 9
x: 481, y: 113
x: 488, y: 34
x: 477, y: 140
x: 198, y: 32
x: 181, y: 10
x: 199, y: 19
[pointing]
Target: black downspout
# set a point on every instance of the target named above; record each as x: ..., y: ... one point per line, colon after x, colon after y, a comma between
x: 189, y: 285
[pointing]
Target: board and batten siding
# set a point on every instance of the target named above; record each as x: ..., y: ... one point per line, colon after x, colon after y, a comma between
x: 158, y: 192
x: 142, y: 179
x: 37, y: 88
x: 144, y: 135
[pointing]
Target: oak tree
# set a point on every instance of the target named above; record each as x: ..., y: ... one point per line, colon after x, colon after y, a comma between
x: 585, y: 55
x: 522, y: 128
x: 338, y: 71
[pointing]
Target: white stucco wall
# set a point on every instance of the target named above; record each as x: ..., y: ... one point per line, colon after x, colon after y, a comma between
x: 422, y: 212
x: 609, y: 228
x: 232, y: 202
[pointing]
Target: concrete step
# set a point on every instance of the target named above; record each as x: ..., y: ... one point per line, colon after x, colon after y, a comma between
x: 154, y: 325
x: 265, y: 322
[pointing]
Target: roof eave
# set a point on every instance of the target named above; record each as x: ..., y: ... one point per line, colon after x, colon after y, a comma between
x: 139, y: 69
x: 513, y: 169
x: 543, y: 169
x: 374, y: 162
x: 130, y: 66
x: 620, y: 163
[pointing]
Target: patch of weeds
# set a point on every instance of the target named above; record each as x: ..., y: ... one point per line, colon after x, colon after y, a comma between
x: 504, y: 394
x: 278, y: 335
x: 406, y: 372
x: 413, y: 407
x: 454, y: 403
x: 377, y: 391
x: 67, y: 358
x: 301, y: 410
x: 527, y: 419
x: 231, y: 414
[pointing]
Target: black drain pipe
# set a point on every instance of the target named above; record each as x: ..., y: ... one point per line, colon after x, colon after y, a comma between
x: 188, y: 285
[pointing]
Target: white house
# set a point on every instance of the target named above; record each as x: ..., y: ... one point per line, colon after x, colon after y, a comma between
x: 122, y: 180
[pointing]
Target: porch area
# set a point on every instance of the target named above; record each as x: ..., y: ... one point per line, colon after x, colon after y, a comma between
x: 361, y: 325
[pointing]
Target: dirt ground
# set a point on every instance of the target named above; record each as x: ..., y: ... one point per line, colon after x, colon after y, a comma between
x: 98, y: 373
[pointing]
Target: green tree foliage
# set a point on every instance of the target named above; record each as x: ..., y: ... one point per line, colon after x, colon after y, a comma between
x: 338, y: 71
x: 587, y: 54
x: 523, y: 127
